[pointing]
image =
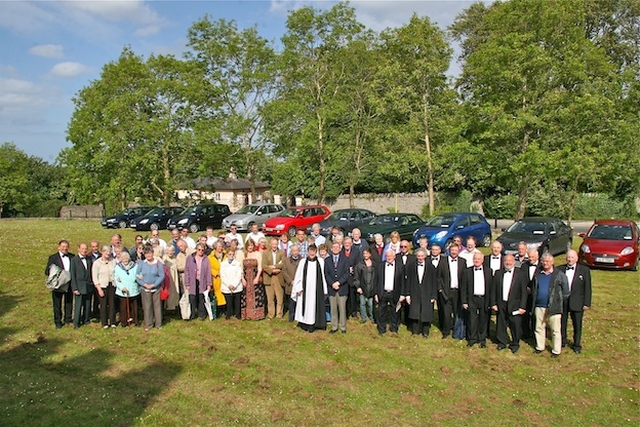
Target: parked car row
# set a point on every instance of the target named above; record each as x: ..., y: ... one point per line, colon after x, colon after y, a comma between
x: 610, y: 244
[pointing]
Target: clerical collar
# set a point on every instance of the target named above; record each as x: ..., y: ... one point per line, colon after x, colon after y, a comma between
x: 314, y: 259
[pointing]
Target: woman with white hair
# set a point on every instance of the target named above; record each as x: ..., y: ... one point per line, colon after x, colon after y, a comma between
x: 102, y: 271
x: 127, y: 290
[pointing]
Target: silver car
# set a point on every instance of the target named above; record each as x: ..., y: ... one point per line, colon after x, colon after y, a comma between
x: 252, y: 214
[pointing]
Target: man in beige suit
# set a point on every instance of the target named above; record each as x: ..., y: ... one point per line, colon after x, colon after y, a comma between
x: 272, y: 263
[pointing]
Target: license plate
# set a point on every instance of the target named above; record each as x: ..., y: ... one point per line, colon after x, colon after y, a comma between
x: 605, y: 260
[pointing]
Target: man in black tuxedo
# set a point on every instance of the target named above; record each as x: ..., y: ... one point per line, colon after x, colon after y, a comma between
x: 494, y: 261
x: 406, y: 259
x: 509, y: 302
x: 531, y: 268
x: 438, y: 261
x: 62, y: 259
x: 453, y: 270
x: 353, y: 257
x: 390, y: 288
x: 82, y: 286
x: 420, y: 292
x: 336, y: 273
x: 579, y: 278
x: 476, y: 298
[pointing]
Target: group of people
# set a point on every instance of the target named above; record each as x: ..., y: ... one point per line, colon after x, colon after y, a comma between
x: 316, y: 280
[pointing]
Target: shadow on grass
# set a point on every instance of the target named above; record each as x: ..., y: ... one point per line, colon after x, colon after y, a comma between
x: 43, y: 384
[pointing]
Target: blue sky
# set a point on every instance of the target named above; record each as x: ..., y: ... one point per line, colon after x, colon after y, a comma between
x: 49, y: 50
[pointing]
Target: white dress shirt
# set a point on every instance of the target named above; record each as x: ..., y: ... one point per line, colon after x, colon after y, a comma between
x: 570, y: 271
x: 389, y: 276
x: 507, y: 278
x: 478, y: 281
x: 453, y: 271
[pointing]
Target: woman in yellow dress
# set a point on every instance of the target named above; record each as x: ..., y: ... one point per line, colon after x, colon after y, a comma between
x: 215, y: 258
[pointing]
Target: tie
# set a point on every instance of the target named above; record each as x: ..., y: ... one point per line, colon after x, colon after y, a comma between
x: 389, y: 264
x: 477, y: 269
x: 570, y: 268
x: 454, y: 259
x: 335, y: 259
x: 435, y: 258
x: 65, y: 255
x: 507, y: 271
x: 495, y: 257
x: 81, y: 257
x: 420, y: 264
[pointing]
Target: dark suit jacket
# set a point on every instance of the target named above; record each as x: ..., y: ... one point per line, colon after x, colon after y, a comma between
x: 422, y: 292
x: 399, y: 285
x: 517, y: 297
x: 352, y: 260
x: 337, y: 273
x: 57, y: 260
x: 487, y: 262
x: 445, y: 276
x: 466, y: 294
x: 580, y: 287
x: 80, y: 277
x: 374, y: 254
x: 411, y: 259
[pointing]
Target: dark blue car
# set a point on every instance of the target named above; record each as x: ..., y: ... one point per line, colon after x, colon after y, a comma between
x: 442, y: 228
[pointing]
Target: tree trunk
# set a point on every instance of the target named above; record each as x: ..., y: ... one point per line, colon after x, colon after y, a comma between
x: 522, y: 199
x: 321, y: 161
x: 167, y: 175
x: 427, y: 143
x: 572, y: 202
x: 123, y: 201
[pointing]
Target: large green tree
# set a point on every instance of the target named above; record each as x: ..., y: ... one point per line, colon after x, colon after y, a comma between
x: 14, y: 178
x: 240, y: 65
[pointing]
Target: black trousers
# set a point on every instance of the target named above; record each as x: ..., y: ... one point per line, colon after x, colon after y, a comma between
x: 505, y: 319
x: 197, y: 306
x: 576, y: 322
x: 418, y: 327
x: 108, y: 305
x: 233, y: 304
x: 388, y: 313
x: 353, y: 302
x: 57, y: 298
x: 82, y: 312
x: 528, y: 320
x: 445, y: 309
x: 478, y: 320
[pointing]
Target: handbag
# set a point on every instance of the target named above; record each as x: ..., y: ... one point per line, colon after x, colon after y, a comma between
x: 164, y: 292
x: 185, y: 306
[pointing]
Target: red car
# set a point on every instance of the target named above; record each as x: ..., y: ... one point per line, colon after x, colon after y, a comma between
x: 612, y: 244
x: 289, y: 220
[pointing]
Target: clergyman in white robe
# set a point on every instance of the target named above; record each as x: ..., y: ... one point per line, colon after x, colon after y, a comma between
x: 309, y: 291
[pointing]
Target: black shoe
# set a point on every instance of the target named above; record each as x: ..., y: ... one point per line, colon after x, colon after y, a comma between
x: 514, y: 350
x: 445, y: 336
x: 537, y: 351
x: 483, y: 345
x: 554, y: 356
x: 344, y: 332
x: 76, y: 326
x: 333, y: 331
x: 471, y: 344
x: 58, y: 326
x: 501, y: 347
x: 577, y: 350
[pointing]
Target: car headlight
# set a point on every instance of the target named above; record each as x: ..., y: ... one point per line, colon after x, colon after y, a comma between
x: 414, y: 233
x: 280, y: 227
x: 111, y: 220
x: 626, y: 251
x: 144, y: 221
x: 535, y: 245
x: 440, y: 235
x: 585, y: 249
x: 183, y: 221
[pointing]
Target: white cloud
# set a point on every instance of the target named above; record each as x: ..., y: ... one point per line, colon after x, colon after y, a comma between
x: 69, y: 69
x: 132, y: 10
x: 284, y: 6
x: 48, y: 51
x: 19, y: 96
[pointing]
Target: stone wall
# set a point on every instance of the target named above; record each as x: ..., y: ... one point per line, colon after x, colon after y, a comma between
x: 87, y: 211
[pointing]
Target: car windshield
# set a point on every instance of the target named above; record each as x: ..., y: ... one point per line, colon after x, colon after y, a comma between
x: 289, y: 213
x: 442, y: 221
x: 611, y: 232
x: 189, y: 211
x: 249, y: 209
x: 385, y: 220
x: 338, y: 216
x: 527, y: 227
x: 154, y: 211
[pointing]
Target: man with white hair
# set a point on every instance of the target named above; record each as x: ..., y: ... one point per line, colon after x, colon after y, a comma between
x: 318, y: 238
x: 358, y: 242
x: 509, y: 302
x: 550, y: 291
x: 579, y: 279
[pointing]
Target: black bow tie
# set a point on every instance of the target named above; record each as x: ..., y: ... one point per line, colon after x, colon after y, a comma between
x: 477, y: 268
x: 507, y: 271
x: 570, y: 268
x: 420, y: 264
x: 454, y: 259
x: 389, y: 264
x: 65, y: 255
x: 533, y: 265
x: 435, y: 258
x: 81, y: 257
x: 495, y: 257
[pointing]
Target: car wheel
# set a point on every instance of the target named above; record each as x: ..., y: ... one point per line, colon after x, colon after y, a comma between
x: 153, y: 227
x: 486, y: 240
x: 194, y: 228
x: 291, y: 232
x: 569, y: 245
x: 122, y: 224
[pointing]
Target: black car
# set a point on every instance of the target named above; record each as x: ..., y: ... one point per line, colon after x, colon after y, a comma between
x: 156, y: 219
x: 404, y: 224
x: 345, y: 219
x: 544, y: 234
x: 123, y: 219
x: 200, y: 217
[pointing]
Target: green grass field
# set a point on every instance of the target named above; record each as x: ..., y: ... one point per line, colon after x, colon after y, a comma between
x: 270, y: 373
